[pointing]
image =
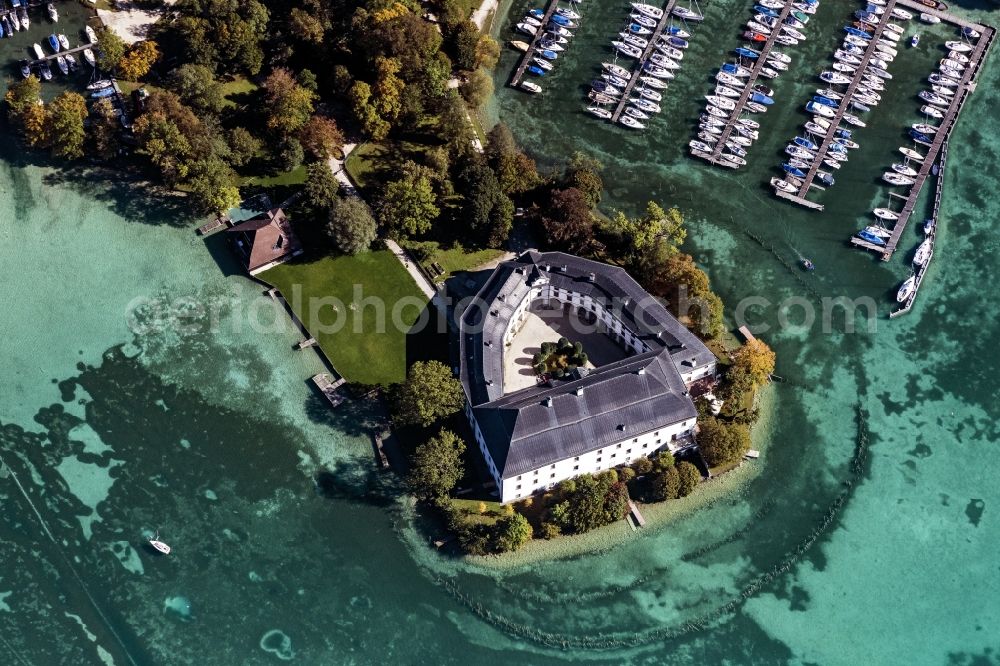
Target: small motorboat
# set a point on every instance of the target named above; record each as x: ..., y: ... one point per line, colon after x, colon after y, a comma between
x: 25, y: 69
x: 754, y: 36
x: 519, y: 45
x: 543, y: 63
x: 53, y: 14
x: 158, y: 545
x: 531, y: 87
x: 820, y: 109
x: 39, y: 53
x: 63, y: 65
x: 915, y: 40
x: 23, y: 15
x: 783, y: 185
x: 526, y: 28
x: 885, y: 214
x: 929, y: 226
x: 91, y: 34
x: 44, y: 70
x: 88, y: 55
x: 63, y: 42
x: 929, y: 19
x: 630, y: 122
x: 835, y: 78
x: 957, y: 46
x: 906, y: 289
x: 970, y: 32
x: 600, y: 112
x: 807, y: 265
x: 768, y: 73
x: 901, y: 14
x: 764, y: 90
x: 894, y: 178
x: 54, y: 42
x: 904, y: 170
x: 699, y: 146
x: 912, y: 154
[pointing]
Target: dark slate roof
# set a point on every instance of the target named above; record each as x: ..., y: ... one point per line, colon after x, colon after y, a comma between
x: 522, y: 431
x: 265, y: 238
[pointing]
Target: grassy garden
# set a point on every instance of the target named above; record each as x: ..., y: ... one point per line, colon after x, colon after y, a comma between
x: 371, y: 356
x: 454, y: 259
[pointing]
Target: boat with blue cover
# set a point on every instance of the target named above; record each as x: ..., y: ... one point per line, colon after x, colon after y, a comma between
x: 919, y: 136
x: 537, y: 71
x: 789, y: 169
x: 871, y: 238
x: 761, y: 98
x: 805, y: 143
x: 54, y: 42
x: 825, y: 178
x: 735, y: 70
x: 562, y: 20
x: 766, y: 11
x: 851, y: 30
x: 826, y: 101
x: 677, y: 42
x: 747, y: 53
x: 677, y: 32
x: 549, y: 55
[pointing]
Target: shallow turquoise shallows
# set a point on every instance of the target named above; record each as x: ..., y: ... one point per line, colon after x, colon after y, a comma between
x: 866, y: 533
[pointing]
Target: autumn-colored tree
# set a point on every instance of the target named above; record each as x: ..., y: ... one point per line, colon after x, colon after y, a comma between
x: 287, y: 103
x: 722, y: 443
x: 321, y: 137
x: 104, y: 129
x: 22, y: 95
x: 64, y: 125
x: 387, y: 92
x: 138, y: 60
x: 365, y: 112
x: 568, y: 222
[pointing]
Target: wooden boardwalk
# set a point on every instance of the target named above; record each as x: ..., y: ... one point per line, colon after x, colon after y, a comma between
x: 648, y: 51
x: 526, y: 60
x: 759, y: 64
x: 859, y: 73
x: 328, y: 388
x: 976, y: 58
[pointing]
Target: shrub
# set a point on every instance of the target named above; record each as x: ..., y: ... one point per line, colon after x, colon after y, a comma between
x: 665, y: 485
x: 690, y: 477
x: 549, y: 530
x: 642, y: 466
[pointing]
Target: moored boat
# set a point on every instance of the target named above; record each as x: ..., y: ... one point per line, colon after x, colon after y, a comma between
x: 630, y: 122
x: 885, y: 214
x: 923, y: 253
x: 88, y: 55
x: 39, y: 53
x: 63, y: 65
x: 91, y: 34
x: 531, y: 87
x: 158, y: 545
x: 906, y: 289
x: 894, y: 178
x: 600, y: 112
x: 53, y: 14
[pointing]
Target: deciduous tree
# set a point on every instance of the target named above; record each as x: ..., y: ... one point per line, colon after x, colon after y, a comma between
x: 351, y: 227
x: 213, y: 186
x: 689, y: 476
x: 568, y: 222
x: 487, y: 210
x: 321, y: 137
x: 197, y: 87
x: 64, y: 125
x: 722, y: 443
x: 477, y: 88
x: 512, y: 532
x: 407, y: 206
x: 287, y: 104
x: 436, y: 465
x: 429, y: 393
x: 139, y: 59
x: 103, y: 131
x: 584, y: 173
x: 110, y: 49
x: 320, y: 189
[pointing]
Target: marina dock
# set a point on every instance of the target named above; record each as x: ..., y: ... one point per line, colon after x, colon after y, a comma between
x: 648, y: 51
x: 759, y: 64
x: 922, y: 271
x: 966, y: 87
x: 976, y: 58
x: 858, y: 75
x: 62, y: 52
x: 636, y: 516
x: 526, y: 60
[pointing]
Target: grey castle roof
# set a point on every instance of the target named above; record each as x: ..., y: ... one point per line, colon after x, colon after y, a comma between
x: 541, y: 425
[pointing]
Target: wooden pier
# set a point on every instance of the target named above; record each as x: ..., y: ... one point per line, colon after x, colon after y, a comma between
x: 859, y: 74
x: 215, y: 225
x: 526, y: 60
x: 636, y: 516
x: 305, y: 344
x: 976, y: 59
x: 759, y: 64
x: 324, y: 382
x: 383, y: 461
x: 61, y: 52
x: 648, y: 51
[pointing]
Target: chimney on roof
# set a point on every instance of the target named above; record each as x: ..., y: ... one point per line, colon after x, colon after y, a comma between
x: 489, y: 382
x: 548, y: 401
x: 500, y: 297
x: 548, y: 267
x: 621, y: 426
x: 489, y: 343
x: 592, y: 277
x: 641, y: 371
x: 579, y: 391
x: 565, y: 268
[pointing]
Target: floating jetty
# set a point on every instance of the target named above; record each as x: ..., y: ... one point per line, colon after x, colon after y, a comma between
x: 907, y: 305
x: 759, y: 63
x: 648, y: 51
x: 529, y: 55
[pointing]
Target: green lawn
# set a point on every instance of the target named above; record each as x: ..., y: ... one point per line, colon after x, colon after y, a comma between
x: 363, y: 162
x: 236, y: 87
x: 296, y: 176
x: 453, y: 260
x: 361, y: 350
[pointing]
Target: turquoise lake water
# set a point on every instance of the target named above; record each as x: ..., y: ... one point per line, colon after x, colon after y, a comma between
x: 866, y: 533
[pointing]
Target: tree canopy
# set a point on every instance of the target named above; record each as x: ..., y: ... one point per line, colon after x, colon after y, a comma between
x: 407, y: 206
x: 436, y: 465
x: 64, y: 125
x: 351, y: 227
x: 430, y: 393
x: 689, y: 477
x: 512, y: 532
x: 722, y: 443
